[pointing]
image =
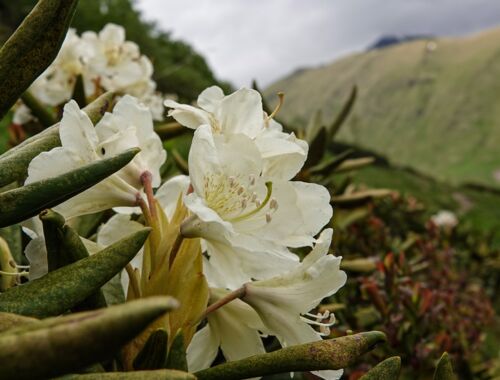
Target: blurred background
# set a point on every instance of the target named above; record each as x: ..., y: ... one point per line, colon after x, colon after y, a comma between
x: 400, y: 103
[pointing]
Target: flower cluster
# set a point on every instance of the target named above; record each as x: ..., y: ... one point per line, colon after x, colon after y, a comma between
x: 106, y: 62
x: 238, y: 217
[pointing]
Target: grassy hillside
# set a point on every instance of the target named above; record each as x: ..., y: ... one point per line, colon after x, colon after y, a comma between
x: 476, y: 208
x: 435, y: 110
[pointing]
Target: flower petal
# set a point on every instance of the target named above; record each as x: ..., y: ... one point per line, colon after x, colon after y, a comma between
x: 210, y: 98
x: 203, y: 349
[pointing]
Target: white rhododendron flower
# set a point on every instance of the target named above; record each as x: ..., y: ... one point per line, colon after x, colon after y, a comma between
x: 445, y: 218
x: 234, y: 328
x: 106, y: 62
x: 116, y: 64
x: 130, y: 125
x: 57, y: 82
x: 246, y: 219
x: 241, y: 113
x: 283, y: 302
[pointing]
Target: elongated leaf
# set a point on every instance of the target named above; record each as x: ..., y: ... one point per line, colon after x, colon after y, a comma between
x: 389, y: 369
x: 64, y: 247
x: 322, y: 355
x: 163, y: 374
x: 344, y: 113
x: 177, y: 353
x: 66, y: 287
x: 170, y: 130
x: 59, y: 345
x: 361, y: 196
x: 154, y: 353
x: 14, y: 163
x: 444, y: 369
x: 10, y: 320
x: 353, y: 164
x: 27, y: 201
x: 44, y: 116
x: 32, y: 48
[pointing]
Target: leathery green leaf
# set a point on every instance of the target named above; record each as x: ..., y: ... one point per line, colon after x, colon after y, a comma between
x: 64, y: 247
x: 27, y: 201
x: 154, y: 353
x: 389, y: 369
x: 322, y: 355
x: 32, y: 48
x: 444, y: 369
x: 177, y: 353
x: 56, y: 346
x: 66, y: 287
x: 163, y: 374
x: 14, y: 163
x: 10, y: 320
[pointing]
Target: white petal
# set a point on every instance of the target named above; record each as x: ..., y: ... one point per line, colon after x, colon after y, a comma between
x: 202, y: 350
x: 241, y: 112
x: 210, y: 98
x: 168, y: 194
x: 235, y: 323
x: 36, y: 253
x: 116, y: 228
x: 52, y: 164
x: 329, y: 374
x: 283, y: 154
x: 77, y: 132
x: 186, y: 115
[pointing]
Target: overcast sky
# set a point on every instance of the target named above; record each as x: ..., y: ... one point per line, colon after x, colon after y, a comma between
x: 268, y: 39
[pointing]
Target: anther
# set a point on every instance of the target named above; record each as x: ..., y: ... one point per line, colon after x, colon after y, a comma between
x: 268, y: 218
x: 273, y: 204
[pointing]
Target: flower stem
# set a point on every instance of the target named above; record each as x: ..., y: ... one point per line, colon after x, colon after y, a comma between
x: 238, y: 293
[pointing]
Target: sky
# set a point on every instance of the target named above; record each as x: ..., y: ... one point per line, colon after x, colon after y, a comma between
x: 269, y: 39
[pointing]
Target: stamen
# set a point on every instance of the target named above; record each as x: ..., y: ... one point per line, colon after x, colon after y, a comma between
x: 25, y: 273
x: 252, y: 179
x: 268, y: 217
x: 22, y: 266
x: 273, y: 204
x: 281, y: 97
x: 269, y: 186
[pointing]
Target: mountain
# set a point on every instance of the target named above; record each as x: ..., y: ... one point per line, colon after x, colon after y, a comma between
x: 432, y: 105
x: 391, y: 40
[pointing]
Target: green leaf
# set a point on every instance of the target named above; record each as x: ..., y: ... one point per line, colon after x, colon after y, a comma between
x: 10, y: 320
x: 44, y: 116
x: 444, y: 369
x: 56, y: 346
x: 344, y: 113
x: 62, y: 289
x: 389, y: 369
x: 32, y: 48
x: 163, y: 374
x: 64, y: 247
x: 154, y: 353
x: 322, y: 355
x: 27, y: 201
x: 317, y: 148
x: 177, y: 353
x: 79, y: 92
x: 14, y: 163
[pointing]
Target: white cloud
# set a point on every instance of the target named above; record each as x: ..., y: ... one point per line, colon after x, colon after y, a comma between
x: 267, y: 39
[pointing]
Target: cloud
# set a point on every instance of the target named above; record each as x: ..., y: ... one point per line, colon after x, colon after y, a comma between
x: 267, y: 39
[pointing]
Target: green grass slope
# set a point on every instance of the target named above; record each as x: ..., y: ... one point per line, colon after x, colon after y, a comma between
x: 435, y: 110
